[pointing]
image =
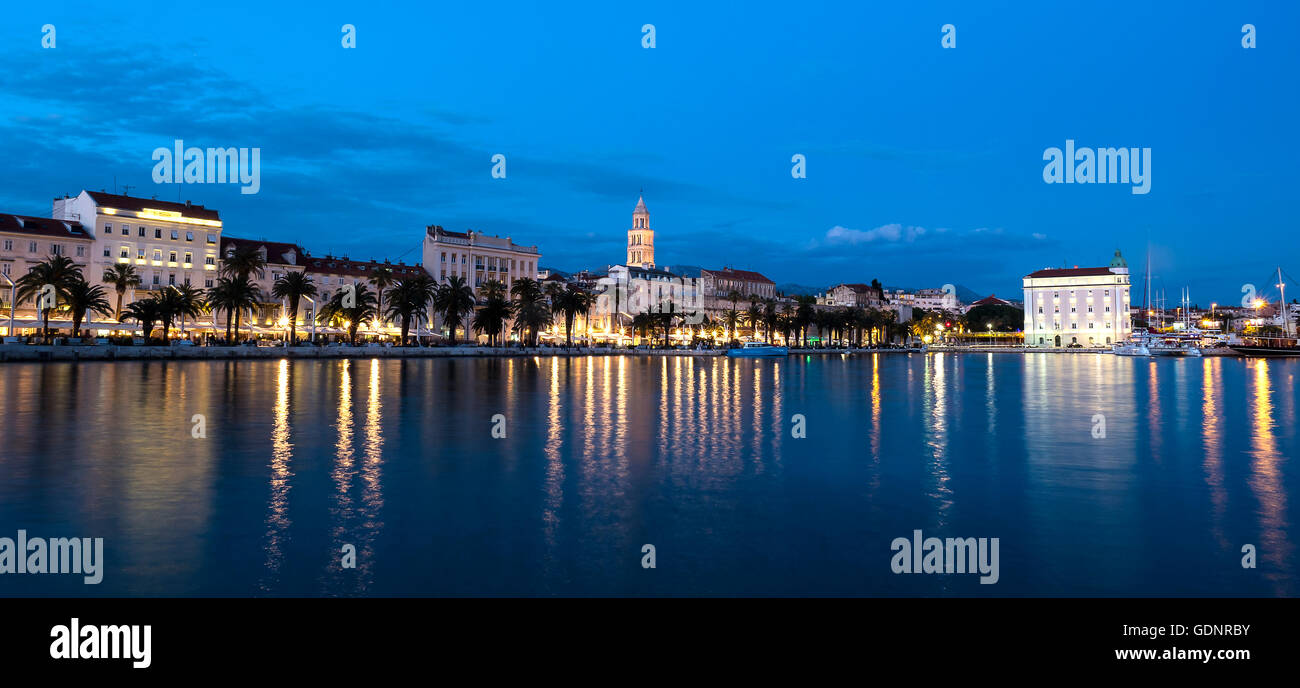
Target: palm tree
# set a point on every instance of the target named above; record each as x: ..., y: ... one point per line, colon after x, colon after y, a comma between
x: 190, y: 302
x: 175, y: 303
x: 454, y: 300
x: 82, y: 297
x: 58, y: 271
x: 803, y: 316
x: 382, y: 277
x: 753, y: 317
x: 234, y: 295
x: 568, y: 303
x: 491, y: 318
x: 292, y: 286
x: 531, y: 309
x: 769, y: 317
x: 122, y: 276
x: 410, y: 300
x: 147, y: 312
x: 244, y: 261
x: 734, y: 297
x: 492, y: 288
x: 362, y: 311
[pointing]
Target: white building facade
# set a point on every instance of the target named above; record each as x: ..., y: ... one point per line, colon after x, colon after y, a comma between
x: 168, y: 243
x: 1078, y: 306
x: 477, y: 257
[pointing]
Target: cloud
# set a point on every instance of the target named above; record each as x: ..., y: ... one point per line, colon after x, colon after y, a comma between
x: 890, y: 232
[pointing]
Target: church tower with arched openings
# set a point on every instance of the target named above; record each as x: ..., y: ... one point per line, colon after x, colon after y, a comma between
x: 641, y: 239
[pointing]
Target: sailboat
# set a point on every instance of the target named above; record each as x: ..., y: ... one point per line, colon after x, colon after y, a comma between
x: 1285, y: 345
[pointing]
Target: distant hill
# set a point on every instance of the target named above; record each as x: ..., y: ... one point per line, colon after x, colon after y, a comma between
x: 792, y: 289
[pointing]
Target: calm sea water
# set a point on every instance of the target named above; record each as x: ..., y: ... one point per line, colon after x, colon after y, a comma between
x: 694, y: 456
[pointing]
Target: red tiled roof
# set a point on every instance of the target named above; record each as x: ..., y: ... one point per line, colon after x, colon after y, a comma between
x: 1069, y: 272
x: 358, y: 268
x: 743, y: 275
x: 275, y: 250
x: 43, y: 226
x: 991, y: 300
x: 138, y: 204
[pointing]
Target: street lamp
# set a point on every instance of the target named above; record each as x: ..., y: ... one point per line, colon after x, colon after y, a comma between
x: 313, y: 317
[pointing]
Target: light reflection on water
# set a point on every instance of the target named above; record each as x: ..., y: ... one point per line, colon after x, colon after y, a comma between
x: 693, y: 455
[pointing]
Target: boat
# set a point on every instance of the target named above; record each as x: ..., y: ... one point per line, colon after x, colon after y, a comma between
x: 757, y: 350
x: 1284, y: 346
x: 1133, y: 347
x: 1268, y: 346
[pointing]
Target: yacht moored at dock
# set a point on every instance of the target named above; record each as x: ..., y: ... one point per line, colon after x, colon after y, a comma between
x: 757, y: 350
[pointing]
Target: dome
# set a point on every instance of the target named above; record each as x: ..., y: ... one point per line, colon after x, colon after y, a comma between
x: 1118, y: 261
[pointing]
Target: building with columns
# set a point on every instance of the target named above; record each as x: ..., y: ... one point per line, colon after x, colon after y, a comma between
x: 1084, y: 306
x: 641, y: 239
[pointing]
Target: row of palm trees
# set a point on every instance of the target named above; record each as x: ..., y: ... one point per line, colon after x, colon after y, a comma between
x: 849, y: 324
x: 525, y: 308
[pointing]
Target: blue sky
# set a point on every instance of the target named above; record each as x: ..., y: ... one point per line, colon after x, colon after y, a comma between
x: 924, y: 165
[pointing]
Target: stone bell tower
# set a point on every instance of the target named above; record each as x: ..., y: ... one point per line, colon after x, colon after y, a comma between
x: 641, y: 239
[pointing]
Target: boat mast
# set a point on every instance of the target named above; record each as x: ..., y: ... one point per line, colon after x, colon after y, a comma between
x: 1281, y: 285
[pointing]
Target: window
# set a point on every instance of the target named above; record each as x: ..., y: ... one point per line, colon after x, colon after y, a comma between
x: 108, y: 228
x: 157, y: 255
x: 1107, y: 292
x: 5, y: 268
x: 208, y: 261
x: 126, y: 229
x: 175, y: 235
x: 155, y: 278
x: 212, y: 238
x: 157, y: 232
x: 444, y: 256
x: 187, y: 281
x: 9, y: 244
x: 81, y: 251
x: 171, y: 257
x: 171, y: 279
x: 207, y: 283
x: 188, y: 257
x: 31, y: 247
x: 139, y: 254
x: 141, y: 232
x: 107, y: 251
x: 56, y: 250
x: 125, y: 253
x: 189, y: 236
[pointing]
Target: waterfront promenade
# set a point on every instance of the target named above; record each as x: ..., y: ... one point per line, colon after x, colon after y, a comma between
x: 102, y: 352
